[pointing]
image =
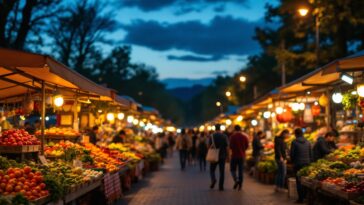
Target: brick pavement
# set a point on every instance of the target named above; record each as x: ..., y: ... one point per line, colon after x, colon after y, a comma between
x: 171, y: 186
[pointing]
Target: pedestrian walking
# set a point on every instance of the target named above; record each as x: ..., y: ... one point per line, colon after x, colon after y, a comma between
x: 202, y: 151
x: 280, y: 155
x: 220, y: 141
x: 183, y: 144
x: 301, y: 156
x: 193, y: 149
x: 239, y: 143
x: 171, y: 143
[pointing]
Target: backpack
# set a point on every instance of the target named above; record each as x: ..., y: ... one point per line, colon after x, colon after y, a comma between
x: 184, y: 143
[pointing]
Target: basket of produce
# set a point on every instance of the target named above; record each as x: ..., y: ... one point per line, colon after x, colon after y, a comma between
x: 18, y: 141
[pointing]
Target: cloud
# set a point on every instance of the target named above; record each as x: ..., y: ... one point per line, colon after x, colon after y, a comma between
x: 195, y: 58
x: 147, y: 5
x: 186, y: 5
x: 224, y: 35
x: 220, y: 72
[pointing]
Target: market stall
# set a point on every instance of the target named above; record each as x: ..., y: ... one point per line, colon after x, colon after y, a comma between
x: 64, y: 166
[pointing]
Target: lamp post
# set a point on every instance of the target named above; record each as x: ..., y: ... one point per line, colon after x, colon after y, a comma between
x: 303, y: 11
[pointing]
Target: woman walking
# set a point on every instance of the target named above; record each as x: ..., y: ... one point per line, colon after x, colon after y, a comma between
x: 202, y: 151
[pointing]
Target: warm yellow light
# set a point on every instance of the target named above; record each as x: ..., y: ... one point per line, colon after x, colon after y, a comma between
x: 360, y: 90
x: 228, y: 122
x: 141, y: 124
x: 295, y: 106
x: 171, y: 129
x: 239, y: 118
x: 110, y: 117
x: 302, y: 106
x: 135, y: 121
x: 202, y: 128
x: 58, y: 100
x: 218, y: 104
x: 228, y: 93
x: 222, y: 127
x: 130, y: 119
x: 121, y: 116
x: 100, y: 111
x: 267, y: 114
x: 303, y: 11
x: 279, y: 110
x: 254, y: 122
x: 242, y: 79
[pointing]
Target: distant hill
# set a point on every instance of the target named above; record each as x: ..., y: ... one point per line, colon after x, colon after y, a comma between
x: 172, y: 83
x: 186, y: 93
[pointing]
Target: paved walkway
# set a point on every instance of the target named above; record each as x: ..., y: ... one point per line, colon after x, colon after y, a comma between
x: 171, y: 186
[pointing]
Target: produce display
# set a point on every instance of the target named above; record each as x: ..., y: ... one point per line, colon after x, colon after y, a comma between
x: 16, y: 137
x: 24, y: 181
x: 56, y: 131
x: 341, y: 171
x: 101, y: 159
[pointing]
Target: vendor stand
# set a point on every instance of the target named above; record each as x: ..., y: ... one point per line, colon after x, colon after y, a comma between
x: 36, y: 82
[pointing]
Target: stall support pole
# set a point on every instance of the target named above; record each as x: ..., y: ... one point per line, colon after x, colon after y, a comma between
x: 75, y: 116
x: 42, y: 121
x: 328, y: 111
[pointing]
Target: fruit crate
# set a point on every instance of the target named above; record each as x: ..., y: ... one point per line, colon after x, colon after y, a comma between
x: 42, y: 200
x: 336, y: 191
x: 310, y: 183
x: 19, y: 149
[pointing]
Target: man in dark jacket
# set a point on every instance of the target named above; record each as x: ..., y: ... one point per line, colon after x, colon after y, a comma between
x: 238, y: 144
x: 301, y: 156
x: 221, y: 142
x: 322, y: 146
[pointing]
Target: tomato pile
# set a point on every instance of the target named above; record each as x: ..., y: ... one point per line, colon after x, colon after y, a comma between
x: 24, y: 181
x: 17, y: 138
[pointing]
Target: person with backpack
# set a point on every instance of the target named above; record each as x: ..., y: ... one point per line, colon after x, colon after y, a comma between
x: 202, y: 151
x: 220, y: 142
x: 183, y: 144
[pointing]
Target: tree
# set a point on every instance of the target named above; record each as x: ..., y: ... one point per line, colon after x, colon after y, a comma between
x: 77, y: 32
x: 23, y: 22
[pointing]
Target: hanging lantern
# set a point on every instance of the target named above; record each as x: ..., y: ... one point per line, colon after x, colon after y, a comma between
x: 337, y: 97
x: 308, y: 115
x: 58, y: 99
x: 28, y: 105
x: 121, y: 116
x: 315, y: 110
x: 323, y: 100
x: 295, y: 107
x: 49, y: 100
x: 360, y: 90
x: 286, y: 116
x: 267, y: 114
x: 279, y: 110
x: 110, y: 117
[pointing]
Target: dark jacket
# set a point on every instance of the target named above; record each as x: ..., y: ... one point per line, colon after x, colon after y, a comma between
x: 257, y: 147
x: 301, y: 153
x: 321, y: 148
x: 280, y: 148
x: 221, y: 143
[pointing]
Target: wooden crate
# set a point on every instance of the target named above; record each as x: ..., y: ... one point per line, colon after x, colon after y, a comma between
x: 19, y: 149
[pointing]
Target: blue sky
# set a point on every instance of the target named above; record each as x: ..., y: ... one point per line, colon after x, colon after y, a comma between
x: 190, y: 38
